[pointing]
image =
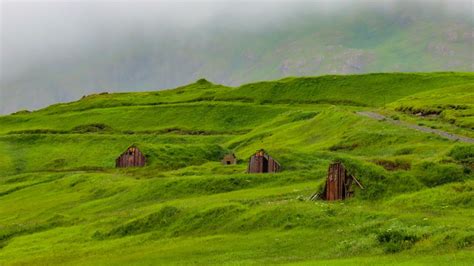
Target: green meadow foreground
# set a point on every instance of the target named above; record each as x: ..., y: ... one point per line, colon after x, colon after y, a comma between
x: 62, y: 201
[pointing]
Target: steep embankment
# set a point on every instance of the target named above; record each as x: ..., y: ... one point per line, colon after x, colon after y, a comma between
x: 63, y: 202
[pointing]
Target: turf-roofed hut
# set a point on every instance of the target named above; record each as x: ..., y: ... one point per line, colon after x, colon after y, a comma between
x: 132, y: 157
x: 261, y: 162
x: 339, y: 183
x: 229, y: 159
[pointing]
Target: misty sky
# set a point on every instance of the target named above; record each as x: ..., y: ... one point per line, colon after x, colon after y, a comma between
x: 37, y: 33
x: 34, y: 32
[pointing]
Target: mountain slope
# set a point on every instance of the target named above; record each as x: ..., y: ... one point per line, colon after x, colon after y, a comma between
x: 63, y: 202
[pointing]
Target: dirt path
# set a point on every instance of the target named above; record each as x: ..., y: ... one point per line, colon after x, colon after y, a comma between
x: 441, y: 133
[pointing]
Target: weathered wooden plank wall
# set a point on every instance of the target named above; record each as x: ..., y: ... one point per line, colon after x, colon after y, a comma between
x: 335, y: 183
x: 339, y: 183
x: 132, y: 157
x: 262, y: 163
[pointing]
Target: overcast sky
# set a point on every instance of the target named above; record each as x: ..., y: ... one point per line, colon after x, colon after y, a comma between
x: 34, y: 32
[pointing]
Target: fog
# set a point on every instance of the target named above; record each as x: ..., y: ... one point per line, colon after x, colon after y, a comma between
x: 35, y: 34
x: 40, y: 31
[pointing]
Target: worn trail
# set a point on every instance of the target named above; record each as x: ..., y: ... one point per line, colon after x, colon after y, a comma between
x: 441, y: 133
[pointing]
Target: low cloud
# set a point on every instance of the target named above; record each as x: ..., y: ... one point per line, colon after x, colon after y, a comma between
x: 39, y: 33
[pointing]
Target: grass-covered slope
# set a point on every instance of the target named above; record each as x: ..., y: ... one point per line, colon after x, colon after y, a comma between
x: 450, y: 108
x: 63, y: 202
x: 358, y: 90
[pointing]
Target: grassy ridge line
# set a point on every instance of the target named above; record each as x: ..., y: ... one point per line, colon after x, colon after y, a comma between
x: 441, y: 133
x: 345, y: 136
x: 201, y: 90
x: 29, y: 153
x: 218, y: 117
x: 363, y: 89
x: 450, y: 109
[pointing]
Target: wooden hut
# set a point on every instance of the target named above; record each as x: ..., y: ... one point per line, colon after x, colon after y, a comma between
x: 132, y: 157
x: 339, y: 183
x: 261, y: 162
x: 229, y: 159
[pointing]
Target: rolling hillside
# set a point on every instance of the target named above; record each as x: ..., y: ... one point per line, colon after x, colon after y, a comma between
x: 409, y: 36
x: 62, y: 201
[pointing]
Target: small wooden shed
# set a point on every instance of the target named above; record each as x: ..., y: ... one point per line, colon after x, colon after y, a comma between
x: 132, y: 157
x: 261, y: 162
x: 339, y: 183
x: 229, y: 159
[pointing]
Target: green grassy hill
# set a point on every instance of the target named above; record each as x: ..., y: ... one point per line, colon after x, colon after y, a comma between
x: 63, y: 202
